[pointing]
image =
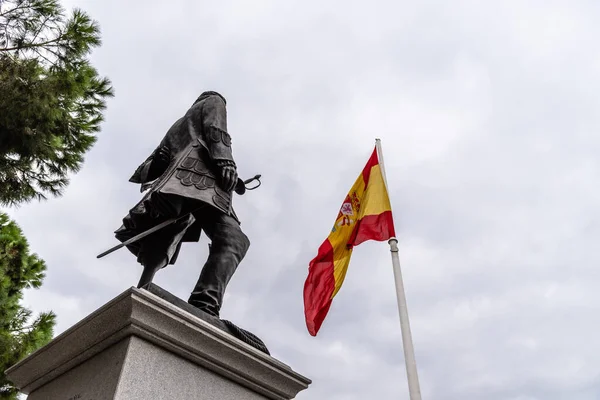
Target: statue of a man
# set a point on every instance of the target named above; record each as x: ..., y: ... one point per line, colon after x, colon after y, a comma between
x: 191, y: 175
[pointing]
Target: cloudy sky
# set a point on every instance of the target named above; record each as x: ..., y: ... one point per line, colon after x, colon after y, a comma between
x: 487, y: 113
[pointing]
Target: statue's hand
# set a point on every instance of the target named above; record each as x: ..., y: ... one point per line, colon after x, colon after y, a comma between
x: 229, y: 175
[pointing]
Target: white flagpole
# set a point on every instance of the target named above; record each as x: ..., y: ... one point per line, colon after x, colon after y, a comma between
x: 409, y: 351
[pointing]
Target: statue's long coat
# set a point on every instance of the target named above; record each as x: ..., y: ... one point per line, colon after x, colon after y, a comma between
x: 182, y: 175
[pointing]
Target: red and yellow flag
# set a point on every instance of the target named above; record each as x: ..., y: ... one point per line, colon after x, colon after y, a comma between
x: 366, y: 214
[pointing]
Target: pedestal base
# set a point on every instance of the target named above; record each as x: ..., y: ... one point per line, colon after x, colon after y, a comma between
x: 140, y: 346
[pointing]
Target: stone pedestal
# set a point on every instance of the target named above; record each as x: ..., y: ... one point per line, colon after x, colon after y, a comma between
x: 140, y: 346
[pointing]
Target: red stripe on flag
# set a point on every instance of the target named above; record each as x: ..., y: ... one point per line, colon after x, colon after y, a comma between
x: 318, y: 288
x: 373, y: 161
x: 378, y: 227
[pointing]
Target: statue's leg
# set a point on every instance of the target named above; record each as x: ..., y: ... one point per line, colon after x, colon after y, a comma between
x: 228, y: 247
x: 151, y: 267
x: 161, y: 248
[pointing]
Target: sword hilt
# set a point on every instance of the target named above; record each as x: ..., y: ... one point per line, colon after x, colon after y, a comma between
x: 241, y: 186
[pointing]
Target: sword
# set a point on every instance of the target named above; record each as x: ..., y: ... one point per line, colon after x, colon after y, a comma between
x: 240, y: 189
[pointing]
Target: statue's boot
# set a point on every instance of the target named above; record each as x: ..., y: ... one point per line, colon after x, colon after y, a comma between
x: 149, y: 271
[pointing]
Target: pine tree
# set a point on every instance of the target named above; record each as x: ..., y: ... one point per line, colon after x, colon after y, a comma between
x: 51, y: 98
x: 20, y: 334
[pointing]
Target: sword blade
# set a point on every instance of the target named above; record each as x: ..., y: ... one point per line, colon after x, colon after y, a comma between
x: 138, y: 237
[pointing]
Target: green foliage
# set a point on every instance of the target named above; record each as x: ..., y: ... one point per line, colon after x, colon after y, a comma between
x: 20, y: 334
x: 51, y: 97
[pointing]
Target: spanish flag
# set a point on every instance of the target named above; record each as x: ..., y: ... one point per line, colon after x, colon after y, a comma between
x: 366, y: 214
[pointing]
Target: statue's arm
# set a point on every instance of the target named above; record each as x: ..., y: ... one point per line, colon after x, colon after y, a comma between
x: 218, y: 140
x: 214, y: 127
x: 153, y: 167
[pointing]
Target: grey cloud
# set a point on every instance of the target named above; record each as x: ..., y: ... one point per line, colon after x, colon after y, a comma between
x: 487, y: 118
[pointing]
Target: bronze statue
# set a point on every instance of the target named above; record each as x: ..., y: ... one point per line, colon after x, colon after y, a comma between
x: 191, y: 177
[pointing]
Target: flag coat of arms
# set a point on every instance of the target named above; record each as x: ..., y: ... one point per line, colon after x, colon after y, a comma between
x: 365, y: 214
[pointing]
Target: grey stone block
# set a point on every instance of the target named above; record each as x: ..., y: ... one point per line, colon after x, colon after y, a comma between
x: 139, y: 346
x: 226, y: 326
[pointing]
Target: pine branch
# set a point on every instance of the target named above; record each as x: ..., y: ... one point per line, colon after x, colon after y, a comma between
x: 27, y: 46
x: 42, y: 25
x: 27, y: 5
x: 41, y: 55
x: 51, y: 99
